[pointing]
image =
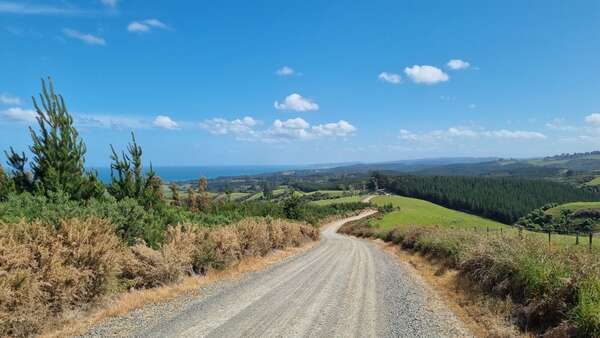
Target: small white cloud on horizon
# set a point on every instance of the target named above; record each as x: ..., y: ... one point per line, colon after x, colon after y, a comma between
x: 280, y: 130
x: 19, y: 114
x: 297, y: 103
x: 457, y: 64
x: 87, y: 38
x: 145, y: 26
x: 472, y: 106
x: 390, y: 77
x: 165, y: 122
x: 285, y: 71
x: 468, y: 133
x: 9, y: 99
x: 593, y: 119
x: 426, y: 74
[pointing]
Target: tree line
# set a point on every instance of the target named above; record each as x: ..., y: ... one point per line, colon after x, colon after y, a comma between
x: 502, y: 199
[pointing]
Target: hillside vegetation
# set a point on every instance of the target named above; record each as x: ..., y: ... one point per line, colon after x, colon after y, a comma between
x: 501, y: 199
x: 67, y: 240
x: 554, y: 289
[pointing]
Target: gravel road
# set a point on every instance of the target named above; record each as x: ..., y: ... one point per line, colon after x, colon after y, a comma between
x: 343, y: 287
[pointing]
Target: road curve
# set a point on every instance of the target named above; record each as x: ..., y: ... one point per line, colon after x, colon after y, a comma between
x: 343, y: 287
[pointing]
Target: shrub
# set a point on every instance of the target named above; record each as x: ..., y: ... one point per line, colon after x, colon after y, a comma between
x: 46, y: 271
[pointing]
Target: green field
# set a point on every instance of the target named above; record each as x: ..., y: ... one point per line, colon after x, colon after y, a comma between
x: 419, y: 212
x: 572, y: 206
x: 347, y: 199
x: 595, y: 181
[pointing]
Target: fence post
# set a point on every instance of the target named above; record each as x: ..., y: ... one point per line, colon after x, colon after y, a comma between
x: 487, y: 231
x: 577, y: 238
x: 475, y: 228
x: 591, y: 236
x: 549, y: 238
x: 520, y: 232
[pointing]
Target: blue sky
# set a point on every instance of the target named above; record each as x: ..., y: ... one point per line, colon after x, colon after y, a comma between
x: 296, y: 82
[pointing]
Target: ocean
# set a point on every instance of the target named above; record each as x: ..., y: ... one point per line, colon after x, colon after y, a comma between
x: 185, y: 173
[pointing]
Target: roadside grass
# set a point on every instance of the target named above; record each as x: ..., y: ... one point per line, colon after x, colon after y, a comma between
x: 594, y: 182
x: 553, y: 288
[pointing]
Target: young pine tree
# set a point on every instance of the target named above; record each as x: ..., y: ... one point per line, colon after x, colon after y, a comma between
x: 6, y: 185
x: 191, y: 199
x: 21, y: 179
x: 202, y: 200
x: 58, y: 151
x: 175, y: 194
x: 129, y: 180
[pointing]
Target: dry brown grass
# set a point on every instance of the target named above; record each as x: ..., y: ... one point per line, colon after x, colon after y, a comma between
x: 48, y: 274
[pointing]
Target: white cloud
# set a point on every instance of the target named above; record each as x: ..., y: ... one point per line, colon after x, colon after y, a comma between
x: 165, y: 122
x: 285, y: 71
x: 19, y: 114
x: 243, y: 127
x: 279, y: 131
x: 456, y: 64
x: 87, y: 38
x: 426, y: 74
x: 390, y: 77
x: 452, y: 133
x: 9, y: 99
x: 472, y: 106
x: 145, y: 26
x: 340, y: 128
x: 593, y: 119
x: 110, y: 3
x: 297, y: 103
x: 22, y: 8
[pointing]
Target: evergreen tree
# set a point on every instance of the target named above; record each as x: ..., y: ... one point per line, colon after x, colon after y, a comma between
x: 203, y: 200
x: 267, y: 190
x: 128, y: 178
x: 191, y: 199
x: 22, y: 179
x: 175, y: 193
x: 58, y: 151
x: 6, y: 185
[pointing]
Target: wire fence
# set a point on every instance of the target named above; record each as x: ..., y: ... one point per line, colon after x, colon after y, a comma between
x: 554, y: 236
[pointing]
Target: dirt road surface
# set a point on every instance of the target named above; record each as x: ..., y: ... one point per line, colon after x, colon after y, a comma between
x: 343, y: 287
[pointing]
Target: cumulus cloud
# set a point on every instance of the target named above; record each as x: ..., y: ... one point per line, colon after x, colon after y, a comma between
x: 285, y: 71
x: 457, y: 64
x: 243, y: 127
x: 340, y: 128
x: 19, y: 114
x: 468, y: 133
x: 165, y: 122
x: 110, y: 3
x: 279, y: 131
x: 297, y: 103
x: 146, y: 26
x: 389, y: 77
x: 426, y: 74
x: 593, y: 119
x: 9, y: 99
x: 87, y: 38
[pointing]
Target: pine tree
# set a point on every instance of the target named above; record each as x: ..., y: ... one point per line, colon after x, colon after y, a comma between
x: 58, y: 151
x: 175, y: 193
x: 22, y: 179
x: 6, y: 185
x: 191, y: 199
x: 202, y: 200
x: 128, y: 178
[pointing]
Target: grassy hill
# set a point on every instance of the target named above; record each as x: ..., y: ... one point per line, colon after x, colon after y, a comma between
x: 414, y: 211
